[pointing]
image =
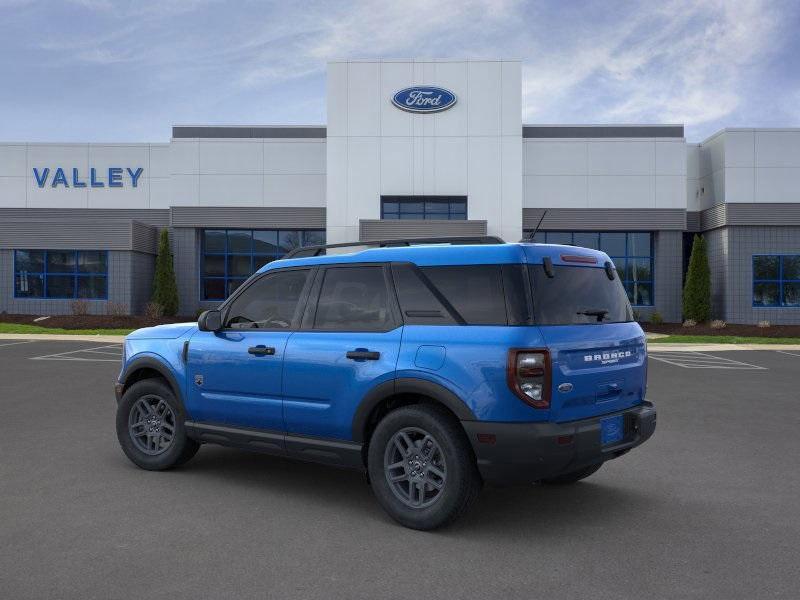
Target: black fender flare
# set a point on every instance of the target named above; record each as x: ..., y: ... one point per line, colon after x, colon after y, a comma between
x: 407, y: 385
x: 149, y: 362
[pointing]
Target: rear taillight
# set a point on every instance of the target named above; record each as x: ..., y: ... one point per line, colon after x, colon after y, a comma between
x: 529, y: 376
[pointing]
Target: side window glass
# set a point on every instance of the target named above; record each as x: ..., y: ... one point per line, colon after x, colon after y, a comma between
x: 353, y: 299
x: 269, y: 303
x: 418, y: 303
x: 475, y: 291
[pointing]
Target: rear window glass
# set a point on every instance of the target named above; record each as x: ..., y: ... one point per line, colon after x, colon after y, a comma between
x: 475, y: 291
x: 578, y: 296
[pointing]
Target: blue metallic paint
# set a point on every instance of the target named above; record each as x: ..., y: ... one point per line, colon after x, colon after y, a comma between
x: 309, y: 386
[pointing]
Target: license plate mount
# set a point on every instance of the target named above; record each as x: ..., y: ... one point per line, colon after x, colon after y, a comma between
x: 611, y: 430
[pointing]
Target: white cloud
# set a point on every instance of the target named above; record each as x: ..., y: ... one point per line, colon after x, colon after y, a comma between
x: 683, y: 62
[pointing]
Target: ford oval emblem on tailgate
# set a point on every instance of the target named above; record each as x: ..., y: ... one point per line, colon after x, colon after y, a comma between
x: 565, y: 387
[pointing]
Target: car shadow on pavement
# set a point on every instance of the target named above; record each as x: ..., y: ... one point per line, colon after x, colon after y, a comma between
x: 512, y: 511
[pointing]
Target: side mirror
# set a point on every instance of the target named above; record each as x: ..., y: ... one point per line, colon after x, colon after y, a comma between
x: 210, y: 320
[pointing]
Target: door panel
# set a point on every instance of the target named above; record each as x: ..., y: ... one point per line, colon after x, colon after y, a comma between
x: 349, y: 343
x: 235, y: 386
x: 235, y: 375
x: 322, y: 387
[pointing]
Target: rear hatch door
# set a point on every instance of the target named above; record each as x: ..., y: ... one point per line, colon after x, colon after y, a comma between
x: 597, y: 369
x: 597, y: 351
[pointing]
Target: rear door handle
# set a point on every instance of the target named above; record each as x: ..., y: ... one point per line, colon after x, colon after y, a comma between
x: 363, y: 355
x: 261, y: 350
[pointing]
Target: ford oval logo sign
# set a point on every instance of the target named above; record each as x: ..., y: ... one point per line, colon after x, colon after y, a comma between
x: 424, y: 99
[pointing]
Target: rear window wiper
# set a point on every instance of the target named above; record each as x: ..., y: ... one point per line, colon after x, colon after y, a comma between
x: 600, y: 313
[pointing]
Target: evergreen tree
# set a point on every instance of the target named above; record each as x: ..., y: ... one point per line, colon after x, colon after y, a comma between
x: 165, y: 288
x: 697, y: 290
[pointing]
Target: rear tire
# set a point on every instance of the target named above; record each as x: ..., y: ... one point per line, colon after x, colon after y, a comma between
x: 421, y: 467
x: 150, y: 427
x: 574, y: 476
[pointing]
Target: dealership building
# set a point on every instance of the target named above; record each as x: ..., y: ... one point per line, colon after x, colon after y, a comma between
x: 412, y: 148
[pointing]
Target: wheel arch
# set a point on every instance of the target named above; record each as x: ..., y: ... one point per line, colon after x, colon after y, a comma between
x: 401, y: 392
x: 148, y: 367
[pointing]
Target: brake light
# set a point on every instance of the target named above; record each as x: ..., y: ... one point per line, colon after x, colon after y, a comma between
x: 528, y: 374
x: 576, y: 258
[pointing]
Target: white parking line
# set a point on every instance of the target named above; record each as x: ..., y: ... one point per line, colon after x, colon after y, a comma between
x: 701, y: 360
x: 101, y: 350
x: 789, y: 353
x: 16, y: 343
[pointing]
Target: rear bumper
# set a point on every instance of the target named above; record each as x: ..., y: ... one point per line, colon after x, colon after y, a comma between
x: 511, y: 453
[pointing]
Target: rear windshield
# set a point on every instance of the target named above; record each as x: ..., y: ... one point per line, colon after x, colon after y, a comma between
x: 578, y: 296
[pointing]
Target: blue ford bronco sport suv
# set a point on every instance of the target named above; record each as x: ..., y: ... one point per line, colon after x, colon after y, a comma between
x: 434, y: 368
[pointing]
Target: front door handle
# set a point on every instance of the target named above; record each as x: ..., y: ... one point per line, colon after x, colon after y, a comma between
x: 261, y: 350
x: 363, y: 355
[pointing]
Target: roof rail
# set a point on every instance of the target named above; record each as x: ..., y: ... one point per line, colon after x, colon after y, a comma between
x: 307, y: 251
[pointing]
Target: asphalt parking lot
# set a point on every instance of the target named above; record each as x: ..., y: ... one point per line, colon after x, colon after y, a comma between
x: 709, y: 508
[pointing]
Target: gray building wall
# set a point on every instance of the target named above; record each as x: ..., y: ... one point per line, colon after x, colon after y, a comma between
x: 717, y: 251
x: 743, y: 243
x: 130, y: 276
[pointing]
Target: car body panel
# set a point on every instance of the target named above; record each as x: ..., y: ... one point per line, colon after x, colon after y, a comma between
x: 309, y: 389
x: 228, y: 385
x: 322, y: 388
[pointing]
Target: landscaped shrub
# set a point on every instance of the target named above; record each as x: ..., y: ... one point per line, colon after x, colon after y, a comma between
x: 717, y: 324
x: 764, y: 324
x: 153, y: 311
x: 79, y: 307
x: 116, y: 309
x: 697, y: 290
x: 656, y: 318
x: 165, y: 288
x: 690, y: 323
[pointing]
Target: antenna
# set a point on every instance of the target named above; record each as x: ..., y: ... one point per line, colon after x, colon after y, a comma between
x: 539, y: 224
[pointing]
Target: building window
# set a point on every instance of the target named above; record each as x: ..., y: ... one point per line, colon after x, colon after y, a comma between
x: 230, y: 256
x: 776, y: 280
x: 448, y: 208
x: 65, y: 274
x: 631, y: 251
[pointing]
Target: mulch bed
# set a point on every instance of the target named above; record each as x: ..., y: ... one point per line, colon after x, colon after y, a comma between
x: 92, y: 321
x: 773, y: 331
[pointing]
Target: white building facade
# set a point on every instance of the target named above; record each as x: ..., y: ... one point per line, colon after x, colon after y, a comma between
x: 80, y: 221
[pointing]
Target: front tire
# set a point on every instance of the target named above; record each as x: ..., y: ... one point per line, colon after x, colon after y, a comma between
x: 150, y: 427
x: 421, y: 467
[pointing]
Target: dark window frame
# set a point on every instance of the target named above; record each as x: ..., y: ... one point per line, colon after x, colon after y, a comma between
x: 780, y: 281
x: 252, y: 254
x: 628, y: 256
x: 75, y: 273
x: 449, y: 215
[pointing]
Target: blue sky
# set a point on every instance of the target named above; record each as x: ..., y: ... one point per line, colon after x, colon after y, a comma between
x: 103, y: 70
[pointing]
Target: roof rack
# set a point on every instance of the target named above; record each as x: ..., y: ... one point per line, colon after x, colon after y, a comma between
x: 307, y: 251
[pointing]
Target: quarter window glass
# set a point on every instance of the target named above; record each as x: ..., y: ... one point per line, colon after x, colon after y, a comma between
x: 269, y: 303
x: 417, y: 302
x: 353, y: 299
x: 476, y: 292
